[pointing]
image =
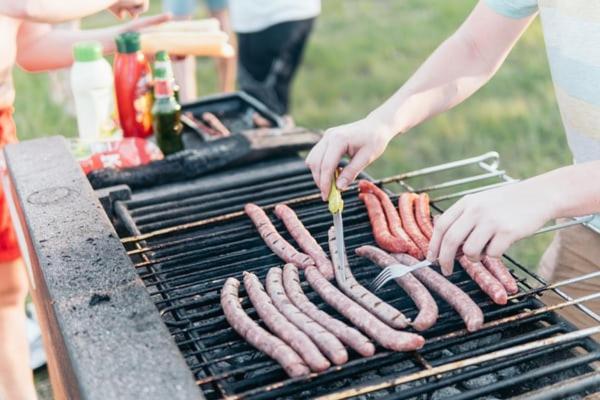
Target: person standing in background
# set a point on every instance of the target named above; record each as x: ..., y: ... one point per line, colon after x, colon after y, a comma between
x: 185, y: 69
x: 272, y: 35
x: 29, y: 41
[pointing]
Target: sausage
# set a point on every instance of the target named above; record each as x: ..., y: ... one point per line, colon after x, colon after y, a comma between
x: 392, y: 216
x: 452, y: 294
x: 325, y: 340
x: 214, y: 122
x: 348, y: 335
x: 381, y: 232
x: 279, y: 325
x: 273, y: 239
x: 486, y: 281
x: 362, y: 296
x: 406, y: 205
x: 423, y: 215
x: 428, y: 309
x: 389, y: 338
x: 304, y: 239
x: 499, y: 270
x: 262, y: 340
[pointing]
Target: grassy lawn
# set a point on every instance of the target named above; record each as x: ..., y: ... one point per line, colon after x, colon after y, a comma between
x: 361, y: 51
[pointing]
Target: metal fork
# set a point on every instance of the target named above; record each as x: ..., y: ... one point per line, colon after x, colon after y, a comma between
x: 395, y: 271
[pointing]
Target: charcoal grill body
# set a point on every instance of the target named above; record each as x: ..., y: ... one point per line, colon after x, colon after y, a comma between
x: 102, y: 334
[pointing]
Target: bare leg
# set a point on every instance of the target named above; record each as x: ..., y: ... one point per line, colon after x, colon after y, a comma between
x: 185, y: 75
x: 16, y: 378
x: 226, y: 67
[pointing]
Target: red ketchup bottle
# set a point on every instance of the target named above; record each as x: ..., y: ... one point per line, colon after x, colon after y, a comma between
x: 133, y: 87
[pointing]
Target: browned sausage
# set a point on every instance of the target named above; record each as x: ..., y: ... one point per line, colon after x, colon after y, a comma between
x: 499, y: 270
x: 304, y: 239
x: 406, y: 204
x: 325, y: 340
x: 283, y: 328
x: 271, y: 345
x: 381, y: 231
x: 423, y: 215
x: 362, y: 296
x: 428, y: 309
x: 486, y: 281
x: 392, y: 216
x: 214, y: 122
x: 452, y: 294
x: 350, y: 336
x: 389, y: 338
x: 273, y: 239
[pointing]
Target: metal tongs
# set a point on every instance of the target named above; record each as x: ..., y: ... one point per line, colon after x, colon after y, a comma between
x: 336, y: 206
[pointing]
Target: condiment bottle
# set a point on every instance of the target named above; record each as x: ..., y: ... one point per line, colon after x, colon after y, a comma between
x: 133, y: 87
x: 166, y: 111
x: 92, y: 85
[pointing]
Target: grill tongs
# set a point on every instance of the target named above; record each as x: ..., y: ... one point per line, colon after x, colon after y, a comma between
x: 336, y: 207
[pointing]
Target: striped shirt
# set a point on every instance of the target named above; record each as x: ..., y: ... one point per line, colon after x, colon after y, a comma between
x: 572, y: 36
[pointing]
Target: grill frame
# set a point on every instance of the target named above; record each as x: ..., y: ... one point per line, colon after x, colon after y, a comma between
x: 145, y: 235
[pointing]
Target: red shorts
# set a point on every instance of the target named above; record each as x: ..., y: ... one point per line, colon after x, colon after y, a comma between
x: 9, y: 248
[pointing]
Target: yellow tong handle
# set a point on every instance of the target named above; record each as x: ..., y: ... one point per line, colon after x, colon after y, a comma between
x: 336, y: 204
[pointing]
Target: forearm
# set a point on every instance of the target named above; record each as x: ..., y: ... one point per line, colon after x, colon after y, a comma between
x: 450, y: 75
x: 52, y: 11
x: 571, y: 191
x: 55, y: 48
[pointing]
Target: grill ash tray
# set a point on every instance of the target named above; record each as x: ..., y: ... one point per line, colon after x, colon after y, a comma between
x: 235, y: 110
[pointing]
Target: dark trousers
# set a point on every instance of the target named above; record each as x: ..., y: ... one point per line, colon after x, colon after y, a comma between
x: 269, y: 59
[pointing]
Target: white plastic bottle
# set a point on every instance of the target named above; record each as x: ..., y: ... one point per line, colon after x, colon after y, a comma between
x: 92, y: 85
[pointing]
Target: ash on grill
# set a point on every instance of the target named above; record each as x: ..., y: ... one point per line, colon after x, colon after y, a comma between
x: 186, y: 239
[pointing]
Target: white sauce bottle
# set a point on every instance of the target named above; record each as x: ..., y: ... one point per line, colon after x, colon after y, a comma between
x: 92, y: 85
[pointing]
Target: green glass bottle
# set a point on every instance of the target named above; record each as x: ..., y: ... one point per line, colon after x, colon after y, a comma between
x: 166, y: 113
x: 163, y: 61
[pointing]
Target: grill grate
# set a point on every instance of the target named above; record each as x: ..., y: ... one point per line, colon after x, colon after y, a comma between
x: 184, y: 264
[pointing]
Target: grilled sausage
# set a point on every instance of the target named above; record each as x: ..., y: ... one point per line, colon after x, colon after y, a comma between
x: 499, y: 270
x: 325, y: 340
x: 273, y: 239
x: 428, y: 309
x: 486, y: 281
x: 423, y: 215
x: 384, y: 335
x: 304, y: 239
x: 280, y: 325
x: 392, y: 216
x: 362, y: 296
x: 452, y: 294
x: 262, y: 340
x: 381, y: 232
x: 406, y: 204
x: 214, y: 122
x: 348, y: 335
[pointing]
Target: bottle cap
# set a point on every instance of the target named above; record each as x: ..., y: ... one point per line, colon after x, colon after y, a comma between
x: 87, y: 51
x: 162, y: 56
x: 128, y: 42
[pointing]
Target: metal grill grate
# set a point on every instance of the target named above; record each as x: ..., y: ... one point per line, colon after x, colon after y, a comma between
x: 184, y: 249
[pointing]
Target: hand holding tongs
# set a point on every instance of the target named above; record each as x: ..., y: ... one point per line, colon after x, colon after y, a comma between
x: 336, y: 206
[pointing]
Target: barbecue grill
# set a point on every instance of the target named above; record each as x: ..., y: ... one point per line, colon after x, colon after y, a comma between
x: 185, y: 239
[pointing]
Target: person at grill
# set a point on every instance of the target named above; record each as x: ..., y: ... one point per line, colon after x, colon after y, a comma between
x: 29, y: 41
x: 271, y: 35
x: 489, y: 222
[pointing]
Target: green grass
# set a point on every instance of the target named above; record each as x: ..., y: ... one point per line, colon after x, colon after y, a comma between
x: 360, y: 53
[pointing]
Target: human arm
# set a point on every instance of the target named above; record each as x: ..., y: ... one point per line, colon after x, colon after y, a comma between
x: 52, y: 12
x: 489, y: 222
x: 40, y: 48
x: 456, y: 69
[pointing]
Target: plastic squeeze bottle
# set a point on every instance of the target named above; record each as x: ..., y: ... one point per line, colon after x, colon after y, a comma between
x: 92, y: 86
x: 133, y: 87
